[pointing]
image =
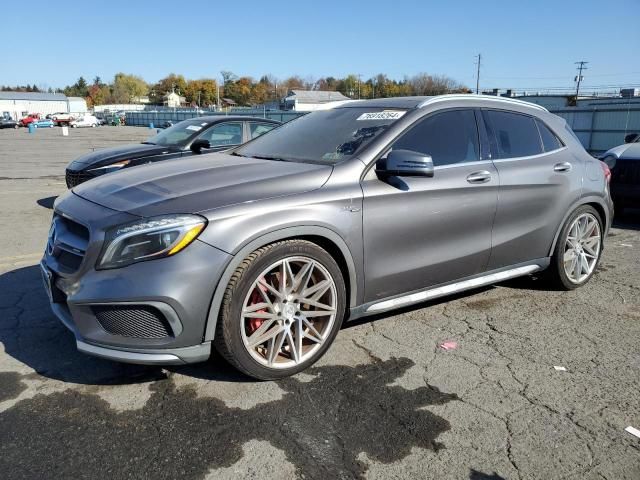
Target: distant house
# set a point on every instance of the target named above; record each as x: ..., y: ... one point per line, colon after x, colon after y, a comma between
x: 173, y: 100
x: 310, y: 100
x: 227, y: 102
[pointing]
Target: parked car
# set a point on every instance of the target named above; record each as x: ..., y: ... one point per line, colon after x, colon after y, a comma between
x: 208, y: 134
x: 42, y: 123
x: 25, y: 121
x: 261, y: 252
x: 7, y: 122
x: 62, y: 118
x: 624, y: 162
x: 84, y: 121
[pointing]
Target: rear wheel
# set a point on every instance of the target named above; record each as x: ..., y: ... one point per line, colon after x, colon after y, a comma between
x: 282, y: 309
x: 578, y: 249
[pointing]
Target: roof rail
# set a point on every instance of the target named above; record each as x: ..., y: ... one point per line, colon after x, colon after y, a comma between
x: 470, y: 96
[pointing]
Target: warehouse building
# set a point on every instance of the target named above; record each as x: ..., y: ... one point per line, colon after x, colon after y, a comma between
x: 20, y: 104
x: 310, y: 100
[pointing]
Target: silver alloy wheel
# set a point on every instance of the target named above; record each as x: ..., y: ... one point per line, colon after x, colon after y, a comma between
x: 288, y: 312
x: 582, y: 247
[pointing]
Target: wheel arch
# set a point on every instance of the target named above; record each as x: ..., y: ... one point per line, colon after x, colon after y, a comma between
x: 598, y: 204
x: 321, y: 236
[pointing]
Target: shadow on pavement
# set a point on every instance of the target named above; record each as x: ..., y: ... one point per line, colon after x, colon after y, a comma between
x: 476, y: 475
x: 322, y: 426
x: 627, y: 220
x: 47, y: 202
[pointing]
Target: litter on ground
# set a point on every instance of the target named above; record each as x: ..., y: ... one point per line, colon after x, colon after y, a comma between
x: 633, y: 431
x: 560, y: 369
x: 449, y: 345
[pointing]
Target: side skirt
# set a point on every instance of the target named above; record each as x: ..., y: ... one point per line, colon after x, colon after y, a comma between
x: 481, y: 280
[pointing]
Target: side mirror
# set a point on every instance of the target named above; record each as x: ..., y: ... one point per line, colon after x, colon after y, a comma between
x: 405, y: 163
x: 199, y: 144
x: 631, y: 138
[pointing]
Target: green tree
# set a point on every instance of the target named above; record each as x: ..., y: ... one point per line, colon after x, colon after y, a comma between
x: 128, y: 88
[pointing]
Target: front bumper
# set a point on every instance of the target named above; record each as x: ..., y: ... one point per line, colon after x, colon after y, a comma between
x: 164, y: 356
x: 178, y: 289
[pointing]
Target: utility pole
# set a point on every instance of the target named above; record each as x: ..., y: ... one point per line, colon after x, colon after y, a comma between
x: 478, y: 74
x: 359, y: 75
x: 581, y: 66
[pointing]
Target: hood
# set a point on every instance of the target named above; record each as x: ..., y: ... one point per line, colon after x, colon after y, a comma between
x: 626, y: 151
x: 199, y: 183
x: 106, y: 156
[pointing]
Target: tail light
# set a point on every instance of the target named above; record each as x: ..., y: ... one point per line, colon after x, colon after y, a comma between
x: 606, y: 170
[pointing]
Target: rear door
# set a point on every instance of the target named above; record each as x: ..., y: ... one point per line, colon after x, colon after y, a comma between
x: 539, y: 180
x: 418, y: 231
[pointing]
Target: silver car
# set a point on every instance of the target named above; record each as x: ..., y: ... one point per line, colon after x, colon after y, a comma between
x: 263, y: 251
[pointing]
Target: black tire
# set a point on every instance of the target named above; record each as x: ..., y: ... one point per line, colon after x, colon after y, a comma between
x: 228, y: 339
x: 556, y: 274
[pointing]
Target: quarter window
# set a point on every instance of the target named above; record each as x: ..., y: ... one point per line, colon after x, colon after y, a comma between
x: 224, y: 134
x: 257, y: 129
x: 549, y: 139
x: 516, y: 135
x: 448, y: 137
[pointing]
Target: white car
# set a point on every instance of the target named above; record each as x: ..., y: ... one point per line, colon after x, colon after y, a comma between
x: 86, y: 121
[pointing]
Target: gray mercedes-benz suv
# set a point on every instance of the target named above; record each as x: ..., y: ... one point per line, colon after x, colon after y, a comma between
x: 346, y: 212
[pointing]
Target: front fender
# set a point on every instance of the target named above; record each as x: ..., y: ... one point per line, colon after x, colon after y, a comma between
x: 254, y: 243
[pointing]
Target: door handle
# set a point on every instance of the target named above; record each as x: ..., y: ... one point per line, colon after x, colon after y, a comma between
x: 562, y: 167
x: 479, y: 177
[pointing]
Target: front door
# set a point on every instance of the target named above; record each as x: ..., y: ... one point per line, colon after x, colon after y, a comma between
x: 423, y: 231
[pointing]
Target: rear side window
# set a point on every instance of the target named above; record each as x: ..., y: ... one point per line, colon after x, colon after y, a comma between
x: 516, y: 135
x: 449, y: 137
x: 549, y: 139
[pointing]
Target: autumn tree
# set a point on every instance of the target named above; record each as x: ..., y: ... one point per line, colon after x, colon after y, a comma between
x: 201, y: 92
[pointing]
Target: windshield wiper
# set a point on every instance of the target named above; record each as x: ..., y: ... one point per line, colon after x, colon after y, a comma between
x: 147, y: 143
x: 277, y: 159
x: 236, y: 154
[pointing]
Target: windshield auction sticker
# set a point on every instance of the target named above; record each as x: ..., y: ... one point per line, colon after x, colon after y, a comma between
x: 384, y: 115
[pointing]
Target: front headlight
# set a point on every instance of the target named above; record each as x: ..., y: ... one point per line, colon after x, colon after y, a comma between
x: 150, y: 238
x: 111, y: 168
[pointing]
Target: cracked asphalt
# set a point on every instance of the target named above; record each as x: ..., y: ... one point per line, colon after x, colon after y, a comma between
x: 385, y: 402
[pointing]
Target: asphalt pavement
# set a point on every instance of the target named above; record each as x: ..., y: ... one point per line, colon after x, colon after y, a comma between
x: 385, y: 402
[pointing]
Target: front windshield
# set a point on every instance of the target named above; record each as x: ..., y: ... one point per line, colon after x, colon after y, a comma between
x: 178, y: 134
x: 326, y: 136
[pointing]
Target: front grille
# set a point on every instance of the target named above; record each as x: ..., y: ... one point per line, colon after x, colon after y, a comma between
x: 74, y: 178
x: 137, y: 321
x: 626, y: 172
x: 68, y: 241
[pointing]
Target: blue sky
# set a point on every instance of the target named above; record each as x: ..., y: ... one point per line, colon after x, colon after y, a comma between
x: 528, y: 45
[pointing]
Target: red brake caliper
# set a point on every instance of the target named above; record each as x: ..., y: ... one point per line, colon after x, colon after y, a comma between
x: 254, y: 323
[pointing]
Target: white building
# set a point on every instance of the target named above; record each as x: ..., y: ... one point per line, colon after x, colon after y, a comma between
x: 310, y: 100
x: 173, y: 100
x: 19, y: 104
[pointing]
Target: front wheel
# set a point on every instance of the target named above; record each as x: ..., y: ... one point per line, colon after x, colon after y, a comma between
x: 578, y: 249
x: 281, y: 310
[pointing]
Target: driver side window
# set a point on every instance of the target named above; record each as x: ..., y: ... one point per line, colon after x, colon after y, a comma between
x: 449, y: 137
x: 229, y: 133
